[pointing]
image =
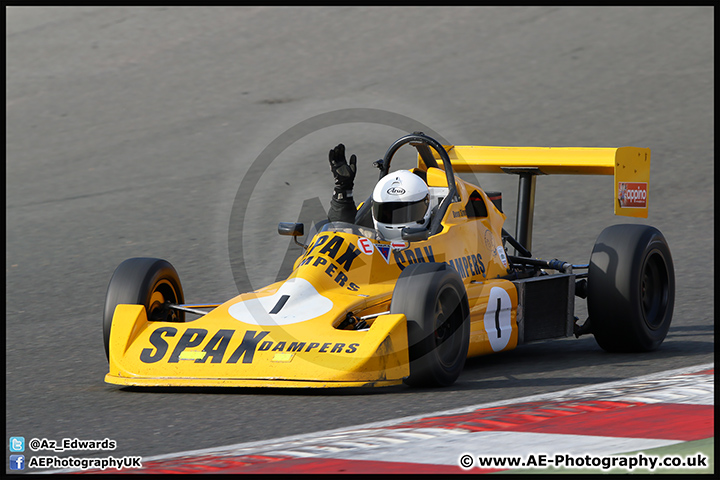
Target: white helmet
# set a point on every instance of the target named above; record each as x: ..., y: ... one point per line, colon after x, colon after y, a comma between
x: 400, y: 199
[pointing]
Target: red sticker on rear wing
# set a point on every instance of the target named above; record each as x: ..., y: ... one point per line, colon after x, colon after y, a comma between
x: 632, y: 195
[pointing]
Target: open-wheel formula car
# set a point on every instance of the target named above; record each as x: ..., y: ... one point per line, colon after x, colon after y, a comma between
x: 359, y: 310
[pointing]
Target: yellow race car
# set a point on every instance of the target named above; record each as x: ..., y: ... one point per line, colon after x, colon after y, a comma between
x: 359, y: 310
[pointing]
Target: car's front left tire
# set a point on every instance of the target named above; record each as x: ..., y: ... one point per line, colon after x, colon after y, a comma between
x: 433, y: 299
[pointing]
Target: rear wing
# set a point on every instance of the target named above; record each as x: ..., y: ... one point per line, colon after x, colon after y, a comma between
x: 630, y: 167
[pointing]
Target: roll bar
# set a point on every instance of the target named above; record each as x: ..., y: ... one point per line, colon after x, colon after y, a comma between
x: 422, y: 142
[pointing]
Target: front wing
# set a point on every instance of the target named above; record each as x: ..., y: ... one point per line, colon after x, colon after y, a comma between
x: 217, y: 350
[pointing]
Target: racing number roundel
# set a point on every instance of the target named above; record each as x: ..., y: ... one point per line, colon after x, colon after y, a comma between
x: 498, y: 323
x: 365, y: 246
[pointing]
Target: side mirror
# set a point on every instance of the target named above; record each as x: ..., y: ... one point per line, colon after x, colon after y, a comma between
x: 291, y: 229
x: 415, y: 234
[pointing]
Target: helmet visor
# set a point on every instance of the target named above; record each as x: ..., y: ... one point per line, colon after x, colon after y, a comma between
x: 400, y: 212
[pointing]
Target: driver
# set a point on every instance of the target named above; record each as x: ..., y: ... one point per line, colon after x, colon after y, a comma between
x: 400, y: 199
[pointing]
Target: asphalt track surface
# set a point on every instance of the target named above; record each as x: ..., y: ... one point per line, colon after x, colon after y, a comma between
x: 130, y: 130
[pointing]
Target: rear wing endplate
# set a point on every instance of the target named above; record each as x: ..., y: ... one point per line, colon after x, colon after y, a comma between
x: 630, y: 167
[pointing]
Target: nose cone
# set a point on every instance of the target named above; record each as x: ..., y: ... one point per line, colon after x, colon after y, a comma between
x: 296, y: 301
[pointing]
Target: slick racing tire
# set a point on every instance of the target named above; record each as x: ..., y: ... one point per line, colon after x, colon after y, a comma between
x: 433, y: 298
x: 630, y: 288
x: 150, y: 282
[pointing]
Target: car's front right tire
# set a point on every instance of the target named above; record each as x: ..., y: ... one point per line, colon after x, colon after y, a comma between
x: 151, y: 282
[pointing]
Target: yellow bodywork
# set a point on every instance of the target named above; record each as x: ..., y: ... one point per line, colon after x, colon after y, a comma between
x: 286, y: 335
x: 220, y: 351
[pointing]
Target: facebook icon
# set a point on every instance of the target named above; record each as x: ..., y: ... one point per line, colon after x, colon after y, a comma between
x: 17, y: 462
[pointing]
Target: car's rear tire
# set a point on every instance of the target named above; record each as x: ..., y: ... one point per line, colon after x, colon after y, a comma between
x: 150, y: 282
x: 433, y: 298
x: 630, y: 289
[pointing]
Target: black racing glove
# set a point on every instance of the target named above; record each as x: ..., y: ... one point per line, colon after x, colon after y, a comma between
x: 343, y: 172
